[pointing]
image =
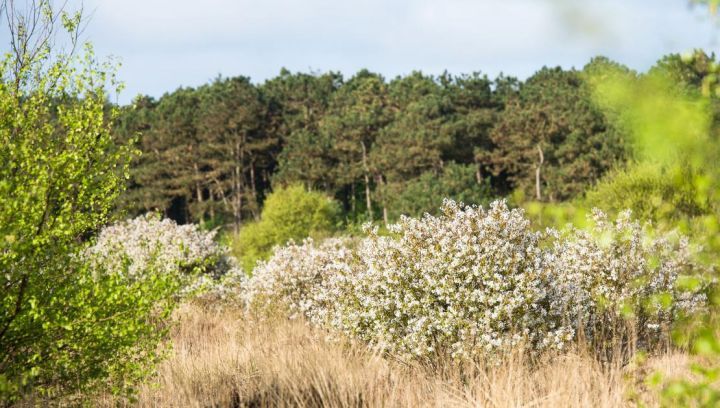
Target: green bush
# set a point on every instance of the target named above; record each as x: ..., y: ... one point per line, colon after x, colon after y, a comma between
x: 84, y: 330
x: 555, y: 215
x: 66, y: 328
x: 673, y: 126
x: 652, y: 192
x: 291, y: 213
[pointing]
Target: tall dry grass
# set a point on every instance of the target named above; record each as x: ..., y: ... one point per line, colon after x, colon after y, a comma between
x: 222, y: 358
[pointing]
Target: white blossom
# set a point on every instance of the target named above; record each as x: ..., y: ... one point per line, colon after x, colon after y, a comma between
x: 148, y: 242
x: 474, y: 282
x: 620, y: 265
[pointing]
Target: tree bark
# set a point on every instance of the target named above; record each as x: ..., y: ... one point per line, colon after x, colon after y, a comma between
x: 198, y: 193
x: 380, y: 182
x: 366, y: 169
x: 352, y: 198
x: 237, y: 187
x: 537, y: 174
x: 254, y: 207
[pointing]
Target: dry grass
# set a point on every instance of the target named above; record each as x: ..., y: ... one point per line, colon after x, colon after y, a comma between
x: 222, y: 359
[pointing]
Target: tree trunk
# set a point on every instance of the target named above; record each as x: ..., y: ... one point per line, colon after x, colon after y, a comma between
x: 237, y: 207
x: 237, y: 186
x: 380, y: 182
x: 255, y: 211
x: 211, y: 200
x: 198, y: 193
x: 352, y: 198
x: 478, y: 174
x: 368, y: 201
x: 537, y: 174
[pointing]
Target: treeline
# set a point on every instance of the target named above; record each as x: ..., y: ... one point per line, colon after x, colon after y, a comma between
x: 381, y: 148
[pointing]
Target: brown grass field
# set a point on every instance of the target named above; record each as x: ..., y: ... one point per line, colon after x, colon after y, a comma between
x: 221, y: 358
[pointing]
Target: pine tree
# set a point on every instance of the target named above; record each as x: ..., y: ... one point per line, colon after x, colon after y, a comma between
x: 551, y: 141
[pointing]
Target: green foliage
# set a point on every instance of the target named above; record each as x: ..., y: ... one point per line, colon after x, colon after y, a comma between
x: 291, y: 213
x: 695, y: 71
x: 210, y: 152
x: 700, y: 389
x: 554, y: 215
x: 356, y: 115
x: 652, y: 192
x: 551, y: 141
x: 64, y: 326
x: 296, y: 104
x: 413, y: 142
x: 84, y: 331
x: 229, y: 120
x: 666, y: 124
x: 425, y: 193
x: 668, y: 119
x: 474, y: 106
x: 205, y: 152
x: 306, y: 158
x: 669, y: 115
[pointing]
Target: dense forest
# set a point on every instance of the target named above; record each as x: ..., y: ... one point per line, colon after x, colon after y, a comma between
x: 212, y: 153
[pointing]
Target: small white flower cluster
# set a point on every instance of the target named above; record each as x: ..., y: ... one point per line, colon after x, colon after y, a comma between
x: 474, y: 282
x: 149, y: 243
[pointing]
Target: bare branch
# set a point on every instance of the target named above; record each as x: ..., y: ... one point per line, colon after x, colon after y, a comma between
x: 33, y: 30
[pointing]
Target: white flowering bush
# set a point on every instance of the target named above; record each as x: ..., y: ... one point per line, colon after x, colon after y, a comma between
x: 151, y: 243
x: 474, y: 282
x: 467, y: 282
x: 617, y: 280
x: 224, y: 286
x: 298, y: 279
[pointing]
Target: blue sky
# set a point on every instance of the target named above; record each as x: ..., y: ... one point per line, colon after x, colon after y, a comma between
x: 164, y: 44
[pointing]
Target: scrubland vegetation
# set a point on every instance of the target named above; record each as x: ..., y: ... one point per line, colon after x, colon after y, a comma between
x: 311, y: 241
x: 220, y: 359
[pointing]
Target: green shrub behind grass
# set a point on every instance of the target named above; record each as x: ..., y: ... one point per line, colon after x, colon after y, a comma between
x: 290, y: 213
x: 652, y: 192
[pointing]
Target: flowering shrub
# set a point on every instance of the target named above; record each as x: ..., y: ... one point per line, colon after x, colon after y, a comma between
x: 300, y: 279
x: 473, y: 282
x: 223, y: 287
x: 466, y: 282
x: 150, y: 243
x: 617, y: 274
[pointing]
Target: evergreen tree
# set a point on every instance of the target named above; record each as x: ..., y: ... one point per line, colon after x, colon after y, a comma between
x: 413, y: 142
x: 476, y: 103
x: 145, y: 190
x: 296, y: 103
x: 550, y: 140
x: 236, y: 156
x: 357, y: 113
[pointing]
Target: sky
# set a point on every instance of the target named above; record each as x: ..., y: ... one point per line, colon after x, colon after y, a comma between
x: 165, y: 44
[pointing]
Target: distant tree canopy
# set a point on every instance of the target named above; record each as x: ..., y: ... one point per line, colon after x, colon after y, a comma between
x: 550, y: 141
x: 213, y: 153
